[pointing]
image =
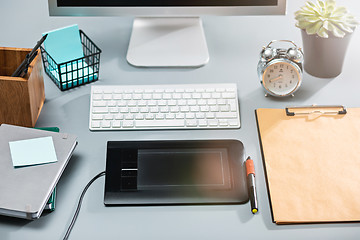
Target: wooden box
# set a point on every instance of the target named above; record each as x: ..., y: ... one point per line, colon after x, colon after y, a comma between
x: 21, y: 99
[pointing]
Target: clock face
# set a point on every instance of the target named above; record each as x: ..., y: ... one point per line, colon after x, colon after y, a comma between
x: 281, y: 78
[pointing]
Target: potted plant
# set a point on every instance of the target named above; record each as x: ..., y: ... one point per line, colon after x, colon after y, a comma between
x: 326, y: 30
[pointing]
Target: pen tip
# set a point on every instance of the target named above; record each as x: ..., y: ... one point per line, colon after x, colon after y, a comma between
x: 254, y: 211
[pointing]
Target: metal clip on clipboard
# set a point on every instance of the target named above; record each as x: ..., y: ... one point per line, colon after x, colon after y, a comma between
x: 315, y: 109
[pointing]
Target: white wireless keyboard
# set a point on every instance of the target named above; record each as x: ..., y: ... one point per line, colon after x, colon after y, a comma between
x: 187, y: 106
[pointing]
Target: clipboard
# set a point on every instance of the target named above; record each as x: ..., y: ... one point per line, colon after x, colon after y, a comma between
x: 311, y: 157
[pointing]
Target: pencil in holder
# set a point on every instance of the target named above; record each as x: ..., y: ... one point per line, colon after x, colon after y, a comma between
x: 76, y: 72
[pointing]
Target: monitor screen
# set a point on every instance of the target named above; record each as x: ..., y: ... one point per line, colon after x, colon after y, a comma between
x: 160, y: 3
x: 165, y: 7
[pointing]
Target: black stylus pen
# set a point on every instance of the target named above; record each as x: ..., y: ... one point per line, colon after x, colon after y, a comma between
x: 22, y: 69
x: 250, y: 175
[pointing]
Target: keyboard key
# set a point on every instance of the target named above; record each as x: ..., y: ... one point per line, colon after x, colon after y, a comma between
x: 211, y: 102
x: 191, y: 123
x: 107, y: 96
x: 117, y: 96
x: 204, y: 108
x: 119, y: 116
x: 99, y: 103
x: 228, y: 95
x: 129, y: 116
x: 108, y: 117
x: 184, y: 109
x: 233, y: 122
x: 206, y: 95
x: 116, y: 124
x: 95, y: 124
x: 225, y: 108
x: 149, y: 116
x: 100, y: 110
x: 159, y: 116
x: 190, y: 115
x: 169, y: 116
x: 111, y: 103
x: 114, y: 110
x: 122, y: 103
x: 194, y: 108
x: 213, y: 122
x: 214, y: 108
x: 174, y: 109
x: 97, y: 117
x: 128, y: 124
x: 139, y: 116
x: 97, y: 97
x: 160, y: 123
x: 210, y: 90
x: 105, y: 124
x: 202, y: 123
x: 200, y: 115
x: 137, y: 96
x: 223, y: 122
x: 124, y: 110
x: 180, y: 115
x: 226, y: 115
x: 233, y: 105
x: 216, y: 95
x: 210, y: 115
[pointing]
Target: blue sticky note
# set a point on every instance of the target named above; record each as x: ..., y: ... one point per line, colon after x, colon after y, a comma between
x: 32, y: 151
x: 64, y: 44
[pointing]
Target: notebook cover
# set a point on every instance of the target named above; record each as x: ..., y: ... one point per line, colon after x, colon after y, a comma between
x: 25, y: 191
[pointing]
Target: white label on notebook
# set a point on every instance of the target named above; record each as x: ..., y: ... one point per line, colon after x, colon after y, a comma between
x: 32, y: 151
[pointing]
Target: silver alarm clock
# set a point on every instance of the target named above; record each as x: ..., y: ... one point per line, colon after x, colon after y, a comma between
x: 280, y: 69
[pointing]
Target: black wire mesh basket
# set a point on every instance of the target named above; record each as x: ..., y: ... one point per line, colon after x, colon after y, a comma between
x: 76, y: 72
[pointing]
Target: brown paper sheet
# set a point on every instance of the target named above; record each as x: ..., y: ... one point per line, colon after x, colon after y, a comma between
x: 312, y: 165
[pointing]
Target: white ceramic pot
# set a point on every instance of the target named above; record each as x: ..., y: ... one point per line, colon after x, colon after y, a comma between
x: 324, y: 57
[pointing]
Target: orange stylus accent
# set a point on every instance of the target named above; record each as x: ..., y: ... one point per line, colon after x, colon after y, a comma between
x: 249, y: 167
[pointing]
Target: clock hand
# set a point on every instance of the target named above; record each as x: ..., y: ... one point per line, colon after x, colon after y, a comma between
x: 276, y: 78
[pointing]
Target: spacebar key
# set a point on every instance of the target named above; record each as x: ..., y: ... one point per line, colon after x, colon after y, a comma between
x: 159, y: 123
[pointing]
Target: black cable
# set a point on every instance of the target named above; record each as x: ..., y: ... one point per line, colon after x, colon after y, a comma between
x: 79, y: 204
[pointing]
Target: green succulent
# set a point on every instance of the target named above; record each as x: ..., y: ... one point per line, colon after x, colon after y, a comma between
x: 323, y: 17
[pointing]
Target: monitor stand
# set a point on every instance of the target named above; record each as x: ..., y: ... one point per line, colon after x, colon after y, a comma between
x: 167, y: 42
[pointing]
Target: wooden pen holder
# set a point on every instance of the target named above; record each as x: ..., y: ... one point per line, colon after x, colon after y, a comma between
x: 21, y: 99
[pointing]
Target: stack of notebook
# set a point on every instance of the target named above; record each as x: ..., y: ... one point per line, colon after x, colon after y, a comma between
x: 27, y: 189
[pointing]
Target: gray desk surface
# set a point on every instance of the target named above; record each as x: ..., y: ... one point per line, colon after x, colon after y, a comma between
x: 234, y: 45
